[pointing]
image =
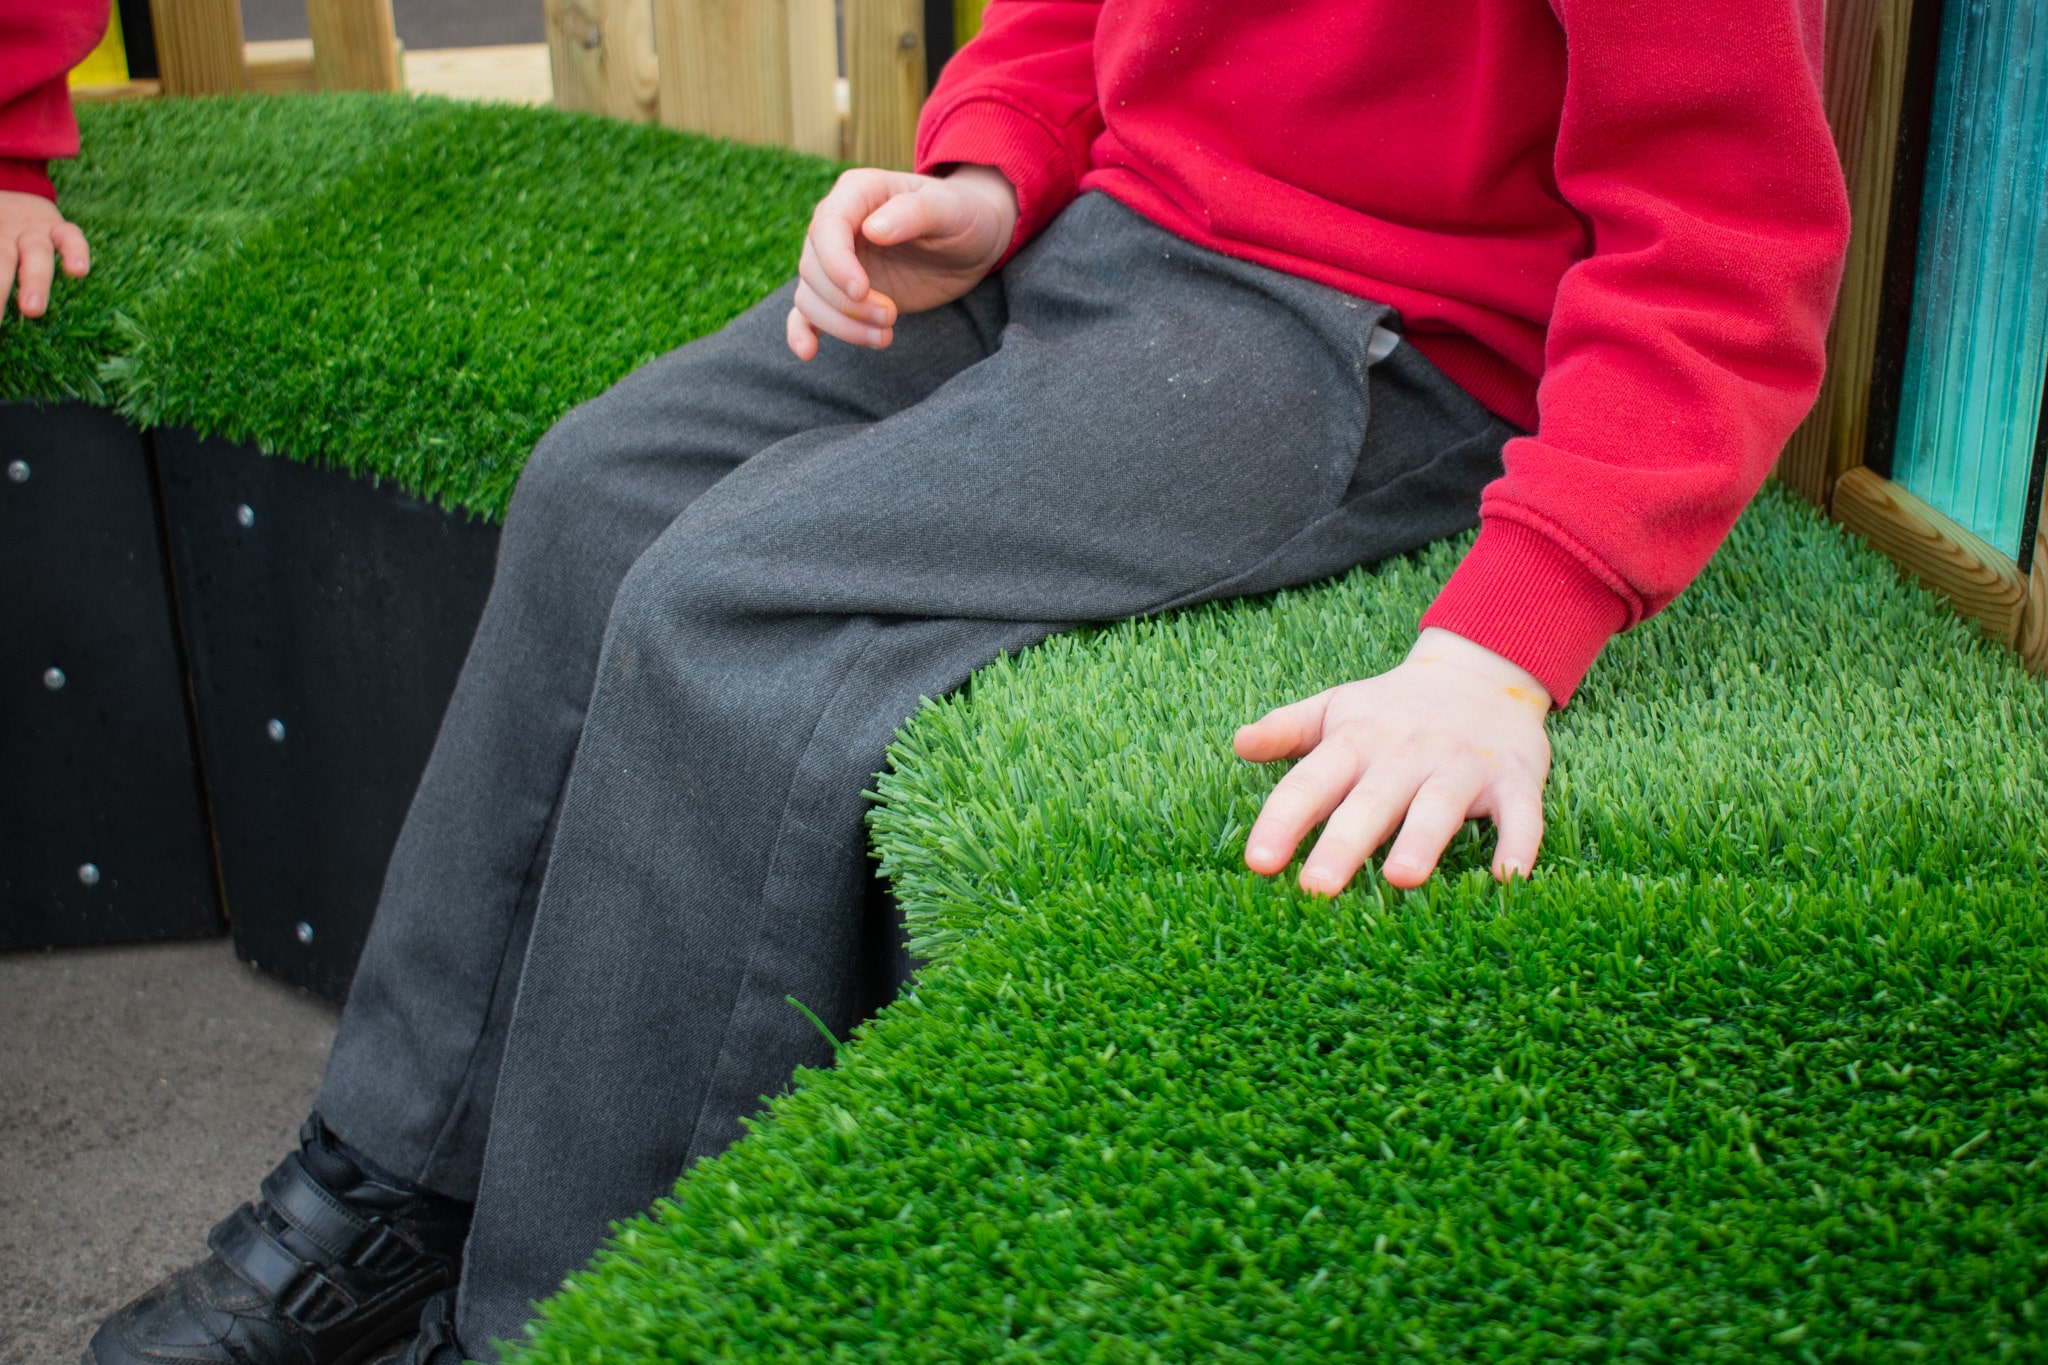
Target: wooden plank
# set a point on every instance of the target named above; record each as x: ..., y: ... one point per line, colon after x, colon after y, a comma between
x: 514, y: 73
x: 1981, y: 583
x: 2032, y: 641
x: 355, y: 45
x: 885, y: 68
x: 112, y: 94
x: 199, y: 46
x: 601, y: 54
x: 282, y: 67
x: 814, y: 125
x: 725, y: 67
x: 1865, y: 82
x: 2032, y: 638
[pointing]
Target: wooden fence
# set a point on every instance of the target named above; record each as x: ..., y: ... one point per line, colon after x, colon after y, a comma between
x: 754, y: 70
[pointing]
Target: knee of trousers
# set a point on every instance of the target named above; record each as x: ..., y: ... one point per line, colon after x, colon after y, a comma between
x: 565, y: 476
x: 707, y: 600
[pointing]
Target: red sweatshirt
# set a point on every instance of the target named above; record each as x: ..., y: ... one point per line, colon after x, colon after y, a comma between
x: 1619, y: 224
x: 40, y: 41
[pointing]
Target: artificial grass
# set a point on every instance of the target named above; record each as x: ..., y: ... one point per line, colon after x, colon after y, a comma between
x: 1756, y: 1065
x: 406, y: 289
x: 163, y: 187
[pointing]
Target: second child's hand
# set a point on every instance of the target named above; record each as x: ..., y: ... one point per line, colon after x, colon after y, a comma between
x: 34, y: 237
x: 1454, y: 732
x: 885, y: 243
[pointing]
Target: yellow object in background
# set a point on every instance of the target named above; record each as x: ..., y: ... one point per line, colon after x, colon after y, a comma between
x: 966, y: 20
x: 106, y: 64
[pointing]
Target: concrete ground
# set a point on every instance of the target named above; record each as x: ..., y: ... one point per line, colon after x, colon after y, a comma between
x: 143, y: 1094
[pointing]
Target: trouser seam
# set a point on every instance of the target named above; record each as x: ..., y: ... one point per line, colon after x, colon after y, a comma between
x: 535, y: 864
x: 746, y: 975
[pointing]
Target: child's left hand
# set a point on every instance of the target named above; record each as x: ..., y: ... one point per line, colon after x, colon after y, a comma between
x: 33, y: 235
x: 1455, y: 731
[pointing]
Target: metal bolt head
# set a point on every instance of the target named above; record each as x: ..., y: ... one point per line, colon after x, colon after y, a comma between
x: 89, y: 874
x: 53, y: 678
x: 275, y: 729
x: 245, y: 515
x: 304, y: 933
x: 907, y: 41
x: 17, y: 470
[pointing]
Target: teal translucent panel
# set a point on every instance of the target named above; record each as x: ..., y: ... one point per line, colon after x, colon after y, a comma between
x: 1978, y: 348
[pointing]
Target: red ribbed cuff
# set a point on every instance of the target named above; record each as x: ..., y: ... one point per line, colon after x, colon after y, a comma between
x: 1531, y: 600
x: 986, y: 132
x: 26, y: 177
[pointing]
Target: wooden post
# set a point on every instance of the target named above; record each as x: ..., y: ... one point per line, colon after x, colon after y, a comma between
x: 725, y: 67
x: 2033, y: 633
x: 199, y: 46
x: 355, y: 45
x: 602, y: 56
x: 814, y: 78
x: 1866, y: 82
x: 885, y: 68
x: 751, y: 70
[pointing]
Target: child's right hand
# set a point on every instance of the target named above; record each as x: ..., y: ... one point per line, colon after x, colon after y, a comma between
x: 33, y: 237
x: 884, y: 243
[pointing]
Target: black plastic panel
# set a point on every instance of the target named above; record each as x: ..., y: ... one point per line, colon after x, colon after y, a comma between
x: 341, y: 611
x: 96, y: 772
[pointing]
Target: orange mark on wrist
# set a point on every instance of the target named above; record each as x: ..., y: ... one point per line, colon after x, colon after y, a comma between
x: 1522, y: 694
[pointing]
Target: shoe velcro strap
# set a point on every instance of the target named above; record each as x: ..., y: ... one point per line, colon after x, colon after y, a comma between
x: 246, y: 1247
x: 306, y: 1204
x: 252, y: 1253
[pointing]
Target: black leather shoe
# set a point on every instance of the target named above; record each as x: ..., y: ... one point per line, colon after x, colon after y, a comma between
x: 435, y: 1344
x: 329, y: 1267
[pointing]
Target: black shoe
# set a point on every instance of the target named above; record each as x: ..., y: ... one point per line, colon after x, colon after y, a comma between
x: 331, y: 1265
x: 435, y: 1344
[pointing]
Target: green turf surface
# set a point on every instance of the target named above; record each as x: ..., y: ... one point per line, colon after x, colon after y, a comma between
x: 1756, y: 1066
x: 164, y: 187
x: 408, y: 289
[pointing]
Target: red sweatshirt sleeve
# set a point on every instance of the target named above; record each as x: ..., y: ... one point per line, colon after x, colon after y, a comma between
x: 1020, y: 97
x: 1686, y: 345
x: 39, y: 44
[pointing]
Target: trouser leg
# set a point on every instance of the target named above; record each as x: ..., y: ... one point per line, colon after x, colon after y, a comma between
x: 414, y: 1067
x: 1158, y: 426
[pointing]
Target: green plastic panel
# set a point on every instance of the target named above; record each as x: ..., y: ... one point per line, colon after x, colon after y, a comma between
x: 1978, y: 347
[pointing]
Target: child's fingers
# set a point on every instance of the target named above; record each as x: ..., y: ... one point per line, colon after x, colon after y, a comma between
x: 1298, y: 803
x: 1519, y: 815
x: 35, y: 267
x: 1367, y: 816
x: 905, y: 218
x: 1438, y: 811
x: 837, y: 219
x: 1284, y: 732
x: 8, y: 257
x: 71, y: 246
x: 803, y: 341
x: 810, y: 272
x: 824, y: 318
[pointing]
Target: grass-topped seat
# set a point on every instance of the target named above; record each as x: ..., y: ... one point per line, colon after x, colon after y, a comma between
x: 1755, y: 1066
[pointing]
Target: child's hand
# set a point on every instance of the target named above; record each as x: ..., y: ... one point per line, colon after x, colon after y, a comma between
x: 883, y: 243
x: 1455, y: 731
x: 32, y: 235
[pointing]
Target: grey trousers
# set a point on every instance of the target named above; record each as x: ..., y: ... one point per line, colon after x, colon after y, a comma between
x: 722, y: 587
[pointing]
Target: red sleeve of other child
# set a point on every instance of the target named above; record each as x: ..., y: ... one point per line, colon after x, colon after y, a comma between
x: 39, y: 44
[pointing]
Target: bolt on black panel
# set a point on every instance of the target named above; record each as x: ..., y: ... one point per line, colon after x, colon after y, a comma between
x: 102, y: 828
x: 326, y: 619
